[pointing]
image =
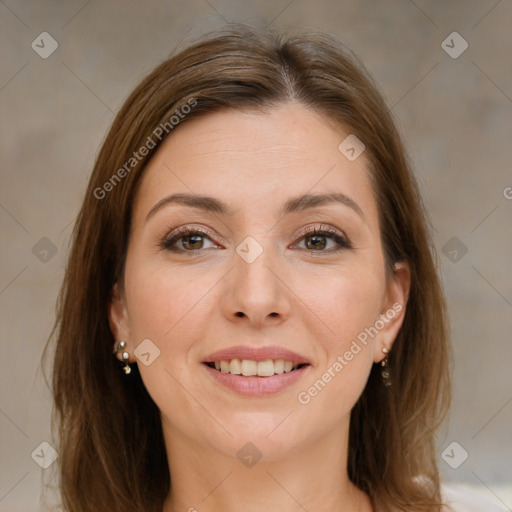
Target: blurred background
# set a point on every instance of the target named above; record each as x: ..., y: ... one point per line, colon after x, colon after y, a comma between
x: 444, y: 68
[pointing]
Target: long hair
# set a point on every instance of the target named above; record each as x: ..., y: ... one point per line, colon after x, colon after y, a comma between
x: 110, y: 442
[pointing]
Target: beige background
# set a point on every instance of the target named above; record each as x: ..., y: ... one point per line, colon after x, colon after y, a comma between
x: 456, y: 116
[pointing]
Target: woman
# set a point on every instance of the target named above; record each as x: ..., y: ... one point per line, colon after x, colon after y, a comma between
x: 252, y: 249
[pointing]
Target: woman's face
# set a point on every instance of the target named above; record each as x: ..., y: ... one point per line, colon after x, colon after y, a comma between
x: 256, y: 285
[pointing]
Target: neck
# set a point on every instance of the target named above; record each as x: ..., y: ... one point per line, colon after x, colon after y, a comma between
x: 314, y: 477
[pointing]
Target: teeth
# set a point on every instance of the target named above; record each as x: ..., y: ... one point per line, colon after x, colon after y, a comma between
x: 250, y: 368
x: 279, y: 366
x: 235, y: 367
x: 266, y: 368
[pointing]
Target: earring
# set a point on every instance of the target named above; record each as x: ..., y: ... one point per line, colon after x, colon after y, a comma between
x: 127, y: 368
x: 386, y: 372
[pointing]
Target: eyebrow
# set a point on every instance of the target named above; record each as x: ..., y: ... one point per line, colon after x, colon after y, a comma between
x: 293, y: 205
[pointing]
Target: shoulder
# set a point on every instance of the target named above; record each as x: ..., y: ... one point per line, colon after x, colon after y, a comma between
x: 461, y: 499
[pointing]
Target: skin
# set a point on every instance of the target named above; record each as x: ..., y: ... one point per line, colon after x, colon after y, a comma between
x: 187, y: 306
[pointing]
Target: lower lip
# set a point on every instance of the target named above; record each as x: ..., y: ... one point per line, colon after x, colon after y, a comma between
x: 257, y: 386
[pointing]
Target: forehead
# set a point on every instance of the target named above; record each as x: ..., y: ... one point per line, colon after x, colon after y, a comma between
x: 255, y: 161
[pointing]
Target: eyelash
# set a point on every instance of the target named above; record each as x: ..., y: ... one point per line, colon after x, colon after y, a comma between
x: 342, y: 242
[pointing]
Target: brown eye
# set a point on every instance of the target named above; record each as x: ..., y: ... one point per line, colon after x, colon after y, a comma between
x: 190, y: 240
x: 317, y: 240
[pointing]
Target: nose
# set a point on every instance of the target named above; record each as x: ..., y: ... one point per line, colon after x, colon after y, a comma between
x: 256, y: 292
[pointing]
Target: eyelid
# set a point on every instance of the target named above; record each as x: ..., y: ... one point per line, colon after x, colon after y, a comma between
x: 174, y: 235
x: 339, y: 236
x: 322, y: 230
x: 322, y: 227
x: 187, y: 228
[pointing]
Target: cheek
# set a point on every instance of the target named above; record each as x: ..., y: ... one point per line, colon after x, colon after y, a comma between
x: 161, y: 301
x: 163, y: 304
x: 344, y: 304
x: 167, y: 305
x: 348, y: 306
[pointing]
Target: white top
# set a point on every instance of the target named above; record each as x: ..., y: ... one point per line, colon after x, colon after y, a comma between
x: 459, y: 500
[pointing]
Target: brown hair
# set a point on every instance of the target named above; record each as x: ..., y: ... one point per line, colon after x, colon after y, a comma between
x: 112, y: 454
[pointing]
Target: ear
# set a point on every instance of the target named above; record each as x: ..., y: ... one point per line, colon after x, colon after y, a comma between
x: 393, y: 308
x: 118, y: 317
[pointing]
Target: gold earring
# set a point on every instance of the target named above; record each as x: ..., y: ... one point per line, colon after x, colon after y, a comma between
x: 125, y: 355
x: 386, y: 371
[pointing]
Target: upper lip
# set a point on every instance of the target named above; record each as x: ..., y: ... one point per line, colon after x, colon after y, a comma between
x: 256, y: 354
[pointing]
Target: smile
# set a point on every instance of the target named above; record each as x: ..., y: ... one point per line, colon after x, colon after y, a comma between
x: 250, y: 368
x: 256, y: 371
x: 253, y: 385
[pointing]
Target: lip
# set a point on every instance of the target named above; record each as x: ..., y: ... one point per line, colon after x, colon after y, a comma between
x: 256, y: 354
x: 257, y: 386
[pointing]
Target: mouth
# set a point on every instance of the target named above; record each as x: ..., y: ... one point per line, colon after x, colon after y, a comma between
x: 256, y: 371
x: 252, y: 368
